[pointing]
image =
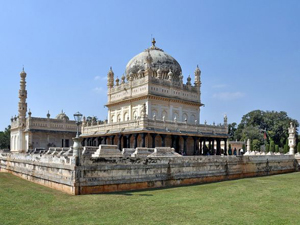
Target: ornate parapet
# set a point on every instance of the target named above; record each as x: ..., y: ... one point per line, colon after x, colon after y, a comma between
x: 153, y: 125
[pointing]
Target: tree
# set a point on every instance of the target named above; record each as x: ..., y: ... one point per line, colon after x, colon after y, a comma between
x: 272, y: 146
x: 298, y: 147
x: 5, y: 138
x: 231, y: 130
x: 244, y: 147
x: 256, y: 122
x: 256, y: 145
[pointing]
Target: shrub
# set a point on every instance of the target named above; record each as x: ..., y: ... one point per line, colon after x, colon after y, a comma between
x: 267, y: 147
x: 272, y: 146
x: 276, y: 148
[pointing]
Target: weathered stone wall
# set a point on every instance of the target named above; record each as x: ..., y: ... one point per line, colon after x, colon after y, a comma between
x: 57, y: 172
x: 119, y: 174
x: 98, y: 175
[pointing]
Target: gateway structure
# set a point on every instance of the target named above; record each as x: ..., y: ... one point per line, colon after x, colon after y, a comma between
x: 151, y: 106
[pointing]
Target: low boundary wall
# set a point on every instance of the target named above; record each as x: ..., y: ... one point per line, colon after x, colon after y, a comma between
x: 99, y: 175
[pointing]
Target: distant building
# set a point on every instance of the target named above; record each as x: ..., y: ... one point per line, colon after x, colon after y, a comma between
x: 32, y: 132
x: 152, y: 106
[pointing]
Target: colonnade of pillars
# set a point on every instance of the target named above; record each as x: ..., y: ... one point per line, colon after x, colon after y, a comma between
x: 201, y: 145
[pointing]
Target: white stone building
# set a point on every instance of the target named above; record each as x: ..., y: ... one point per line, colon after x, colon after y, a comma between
x: 28, y: 133
x: 152, y: 106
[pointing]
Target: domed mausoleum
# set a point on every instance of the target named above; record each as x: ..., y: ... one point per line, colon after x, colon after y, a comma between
x: 151, y: 105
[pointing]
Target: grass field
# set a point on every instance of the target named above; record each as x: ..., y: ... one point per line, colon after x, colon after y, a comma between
x: 264, y: 200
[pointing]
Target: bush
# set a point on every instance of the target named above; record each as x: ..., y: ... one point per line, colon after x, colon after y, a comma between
x: 286, y: 148
x: 272, y: 146
x: 256, y: 145
x: 276, y: 148
x: 244, y: 147
x: 267, y: 147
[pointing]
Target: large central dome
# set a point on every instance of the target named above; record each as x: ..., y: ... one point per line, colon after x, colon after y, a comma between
x: 160, y: 60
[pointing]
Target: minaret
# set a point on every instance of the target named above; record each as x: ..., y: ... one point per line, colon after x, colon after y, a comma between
x: 22, y: 101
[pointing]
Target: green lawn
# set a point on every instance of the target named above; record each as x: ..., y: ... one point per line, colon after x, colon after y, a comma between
x: 264, y: 200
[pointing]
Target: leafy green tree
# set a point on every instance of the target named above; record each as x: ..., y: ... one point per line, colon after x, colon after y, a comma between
x: 298, y: 147
x: 244, y: 147
x: 254, y: 123
x: 231, y: 130
x: 256, y: 145
x: 5, y: 138
x: 272, y: 146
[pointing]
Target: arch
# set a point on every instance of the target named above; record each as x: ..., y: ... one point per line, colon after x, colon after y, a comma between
x: 118, y: 118
x: 193, y: 118
x: 125, y: 117
x: 154, y: 112
x: 164, y: 114
x: 175, y: 114
x: 134, y: 115
x: 185, y: 117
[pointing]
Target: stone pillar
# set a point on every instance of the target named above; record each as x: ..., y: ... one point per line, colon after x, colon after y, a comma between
x: 100, y: 140
x: 292, y: 139
x: 174, y: 138
x: 119, y: 141
x: 112, y: 139
x: 83, y: 142
x: 135, y: 140
x: 153, y: 135
x: 93, y: 141
x: 248, y: 146
x: 218, y: 146
x: 213, y: 147
x: 77, y: 149
x: 195, y: 145
x: 201, y: 147
x: 163, y: 143
x: 184, y: 144
x: 143, y: 139
x: 128, y: 136
x: 105, y: 139
x: 209, y: 144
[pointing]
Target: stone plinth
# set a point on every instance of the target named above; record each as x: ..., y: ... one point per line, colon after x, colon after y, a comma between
x: 107, y: 151
x: 142, y: 152
x: 127, y: 152
x: 164, y: 152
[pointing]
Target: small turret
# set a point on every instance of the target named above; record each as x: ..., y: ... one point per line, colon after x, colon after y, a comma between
x: 110, y: 78
x: 117, y: 81
x: 197, y: 77
x: 123, y: 79
x: 188, y: 80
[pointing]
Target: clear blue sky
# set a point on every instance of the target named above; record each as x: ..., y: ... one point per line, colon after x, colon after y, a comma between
x: 248, y: 51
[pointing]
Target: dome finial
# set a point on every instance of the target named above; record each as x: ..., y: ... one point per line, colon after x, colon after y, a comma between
x: 153, y: 42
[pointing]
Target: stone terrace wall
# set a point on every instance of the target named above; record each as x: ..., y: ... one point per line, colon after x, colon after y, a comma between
x: 52, y: 171
x: 98, y: 175
x: 119, y: 174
